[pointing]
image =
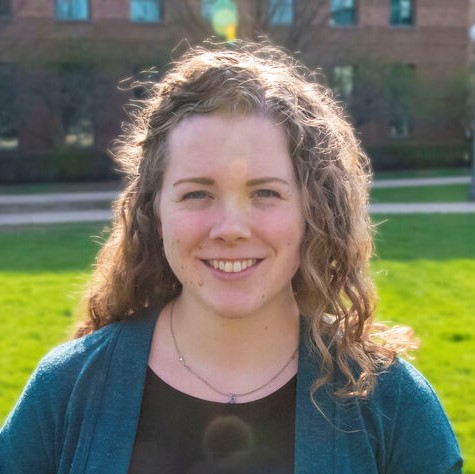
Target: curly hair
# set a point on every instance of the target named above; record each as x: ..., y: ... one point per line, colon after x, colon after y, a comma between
x: 332, y: 287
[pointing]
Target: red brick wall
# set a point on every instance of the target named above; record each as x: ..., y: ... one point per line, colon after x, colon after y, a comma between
x: 437, y: 44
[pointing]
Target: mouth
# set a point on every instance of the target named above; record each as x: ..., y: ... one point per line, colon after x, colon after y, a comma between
x: 232, y: 266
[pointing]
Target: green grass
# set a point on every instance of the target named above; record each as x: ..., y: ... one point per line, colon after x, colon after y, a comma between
x: 423, y: 173
x: 445, y: 193
x: 424, y: 271
x: 42, y: 273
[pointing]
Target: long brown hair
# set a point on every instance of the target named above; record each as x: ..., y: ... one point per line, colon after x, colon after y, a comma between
x: 333, y: 287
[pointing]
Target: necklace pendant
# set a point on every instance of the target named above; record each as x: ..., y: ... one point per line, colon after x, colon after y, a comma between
x: 232, y: 398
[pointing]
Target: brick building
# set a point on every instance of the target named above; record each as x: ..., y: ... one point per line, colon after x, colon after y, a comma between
x: 60, y: 60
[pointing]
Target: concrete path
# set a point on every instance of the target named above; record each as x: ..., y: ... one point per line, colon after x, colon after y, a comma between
x: 29, y: 215
x: 423, y: 208
x: 418, y: 182
x: 53, y: 198
x: 55, y: 217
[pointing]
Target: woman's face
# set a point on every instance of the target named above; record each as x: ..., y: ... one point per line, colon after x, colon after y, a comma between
x: 231, y: 213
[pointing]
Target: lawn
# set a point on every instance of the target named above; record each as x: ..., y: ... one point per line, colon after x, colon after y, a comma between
x: 424, y: 271
x: 445, y: 193
x: 423, y: 173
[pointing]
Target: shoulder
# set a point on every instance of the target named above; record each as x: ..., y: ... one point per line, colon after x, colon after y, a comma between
x: 85, y: 361
x: 406, y: 394
x: 402, y: 386
x: 71, y: 357
x: 58, y: 372
x: 417, y: 431
x: 401, y: 378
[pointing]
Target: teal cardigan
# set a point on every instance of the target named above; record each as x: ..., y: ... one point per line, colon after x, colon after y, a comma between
x: 79, y: 412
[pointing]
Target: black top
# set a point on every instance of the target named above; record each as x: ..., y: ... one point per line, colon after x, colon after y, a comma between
x: 181, y: 434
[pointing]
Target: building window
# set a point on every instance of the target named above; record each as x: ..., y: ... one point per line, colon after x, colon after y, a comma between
x: 281, y: 12
x: 400, y: 127
x: 342, y: 81
x: 207, y: 9
x: 145, y: 11
x: 75, y: 103
x: 72, y: 10
x: 343, y: 12
x: 5, y: 7
x: 8, y: 110
x: 402, y: 12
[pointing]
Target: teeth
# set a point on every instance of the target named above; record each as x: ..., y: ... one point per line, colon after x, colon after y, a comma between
x: 232, y: 267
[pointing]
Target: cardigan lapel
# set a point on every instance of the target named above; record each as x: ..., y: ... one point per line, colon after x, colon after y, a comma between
x: 314, y: 427
x: 115, y: 430
x: 114, y: 434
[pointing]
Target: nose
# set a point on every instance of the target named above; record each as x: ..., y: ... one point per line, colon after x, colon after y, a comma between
x: 231, y: 222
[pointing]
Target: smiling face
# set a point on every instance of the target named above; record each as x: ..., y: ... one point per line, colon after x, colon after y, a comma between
x: 231, y: 214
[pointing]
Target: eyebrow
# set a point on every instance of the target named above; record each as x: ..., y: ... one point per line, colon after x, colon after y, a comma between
x: 197, y: 180
x: 209, y: 182
x: 270, y: 179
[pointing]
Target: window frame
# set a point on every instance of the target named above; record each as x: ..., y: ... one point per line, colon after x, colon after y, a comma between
x: 277, y: 17
x: 10, y: 143
x: 399, y: 24
x: 355, y: 15
x: 207, y: 9
x: 401, y: 123
x: 77, y: 116
x: 8, y: 13
x: 159, y: 19
x: 350, y: 71
x: 71, y: 18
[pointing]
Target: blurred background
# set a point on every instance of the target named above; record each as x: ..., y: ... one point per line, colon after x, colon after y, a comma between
x: 400, y: 66
x: 403, y: 70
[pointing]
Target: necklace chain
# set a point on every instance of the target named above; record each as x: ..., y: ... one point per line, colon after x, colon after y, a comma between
x: 232, y: 397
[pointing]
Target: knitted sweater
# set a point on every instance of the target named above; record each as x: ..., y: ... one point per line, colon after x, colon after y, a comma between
x: 79, y: 413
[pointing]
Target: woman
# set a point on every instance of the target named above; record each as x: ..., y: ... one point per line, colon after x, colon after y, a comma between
x: 230, y: 324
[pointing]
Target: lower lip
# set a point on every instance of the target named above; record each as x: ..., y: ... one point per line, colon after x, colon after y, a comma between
x: 232, y: 275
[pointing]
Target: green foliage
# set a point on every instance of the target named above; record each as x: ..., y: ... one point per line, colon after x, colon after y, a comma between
x: 387, y: 90
x: 64, y: 164
x: 411, y: 156
x: 456, y: 103
x: 424, y: 273
x: 424, y: 173
x: 447, y: 193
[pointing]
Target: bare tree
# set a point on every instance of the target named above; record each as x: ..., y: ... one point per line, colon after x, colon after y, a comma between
x: 298, y: 25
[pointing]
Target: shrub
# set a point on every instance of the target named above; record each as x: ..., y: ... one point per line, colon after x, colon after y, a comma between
x: 408, y: 156
x: 65, y: 164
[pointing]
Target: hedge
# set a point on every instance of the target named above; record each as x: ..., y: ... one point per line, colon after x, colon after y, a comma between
x: 68, y: 164
x: 409, y: 156
x: 80, y: 164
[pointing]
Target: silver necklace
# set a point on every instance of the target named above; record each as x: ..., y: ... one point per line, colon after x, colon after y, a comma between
x: 232, y: 397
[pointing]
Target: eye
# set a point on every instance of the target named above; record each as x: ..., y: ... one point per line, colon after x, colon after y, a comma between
x: 266, y: 193
x: 196, y: 195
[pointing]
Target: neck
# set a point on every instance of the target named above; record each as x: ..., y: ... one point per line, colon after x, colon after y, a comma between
x: 236, y: 342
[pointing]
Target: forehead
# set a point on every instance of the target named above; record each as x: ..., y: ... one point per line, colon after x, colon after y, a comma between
x: 245, y: 144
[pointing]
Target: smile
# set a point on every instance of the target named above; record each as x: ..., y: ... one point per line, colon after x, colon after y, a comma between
x: 234, y: 266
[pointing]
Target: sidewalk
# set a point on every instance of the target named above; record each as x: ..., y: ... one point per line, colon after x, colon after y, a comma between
x: 418, y: 182
x: 21, y: 209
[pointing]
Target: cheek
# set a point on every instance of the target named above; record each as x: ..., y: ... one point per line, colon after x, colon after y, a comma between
x: 180, y: 235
